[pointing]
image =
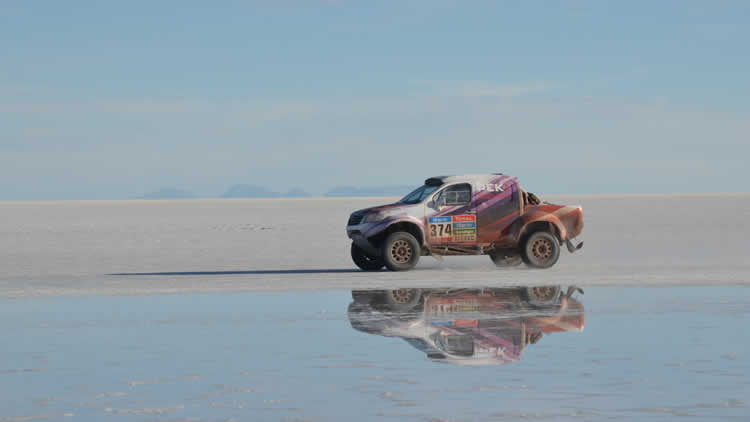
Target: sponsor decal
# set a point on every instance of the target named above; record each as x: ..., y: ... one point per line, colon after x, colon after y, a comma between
x: 452, y: 229
x: 462, y: 218
x: 456, y: 323
x: 489, y: 187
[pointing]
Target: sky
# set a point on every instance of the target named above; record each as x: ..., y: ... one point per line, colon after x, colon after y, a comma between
x: 111, y: 100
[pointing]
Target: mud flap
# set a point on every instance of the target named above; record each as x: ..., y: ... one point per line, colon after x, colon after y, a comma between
x: 365, y: 245
x: 572, y: 248
x: 573, y: 289
x: 437, y: 256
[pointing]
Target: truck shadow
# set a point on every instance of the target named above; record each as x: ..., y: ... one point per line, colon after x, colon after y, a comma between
x: 251, y: 272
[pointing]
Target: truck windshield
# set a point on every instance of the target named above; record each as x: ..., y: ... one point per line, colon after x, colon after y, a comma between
x: 418, y: 195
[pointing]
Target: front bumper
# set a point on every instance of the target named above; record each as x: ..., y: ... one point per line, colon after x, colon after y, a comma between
x: 356, y: 234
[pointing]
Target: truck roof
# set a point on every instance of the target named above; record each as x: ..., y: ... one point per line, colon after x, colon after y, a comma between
x: 469, y: 178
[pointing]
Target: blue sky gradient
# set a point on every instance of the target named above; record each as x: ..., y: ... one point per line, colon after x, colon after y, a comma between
x: 111, y: 100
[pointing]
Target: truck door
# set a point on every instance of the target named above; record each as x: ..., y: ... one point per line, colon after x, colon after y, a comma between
x: 496, y: 210
x: 451, y: 217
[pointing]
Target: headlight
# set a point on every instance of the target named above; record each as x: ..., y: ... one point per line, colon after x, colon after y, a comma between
x: 373, y: 217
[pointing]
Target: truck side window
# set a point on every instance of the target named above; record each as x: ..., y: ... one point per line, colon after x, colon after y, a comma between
x: 455, y: 195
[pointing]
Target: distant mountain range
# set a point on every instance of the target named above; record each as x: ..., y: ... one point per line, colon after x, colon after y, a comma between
x: 256, y: 191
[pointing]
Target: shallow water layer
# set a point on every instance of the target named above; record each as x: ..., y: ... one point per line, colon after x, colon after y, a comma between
x: 645, y: 353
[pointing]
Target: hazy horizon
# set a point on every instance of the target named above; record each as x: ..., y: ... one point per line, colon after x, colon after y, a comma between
x: 386, y: 197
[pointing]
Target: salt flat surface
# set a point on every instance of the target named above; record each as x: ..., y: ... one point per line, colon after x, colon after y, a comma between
x: 73, y: 247
x: 655, y: 354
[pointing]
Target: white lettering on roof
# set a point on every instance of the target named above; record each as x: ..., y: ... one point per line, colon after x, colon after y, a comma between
x: 490, y: 187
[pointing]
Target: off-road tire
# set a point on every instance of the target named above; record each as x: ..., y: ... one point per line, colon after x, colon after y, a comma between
x: 540, y: 250
x: 543, y: 295
x: 365, y: 261
x: 400, y: 251
x: 402, y: 300
x: 367, y: 297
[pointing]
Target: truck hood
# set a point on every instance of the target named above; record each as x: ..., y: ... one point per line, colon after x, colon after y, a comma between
x: 390, y: 208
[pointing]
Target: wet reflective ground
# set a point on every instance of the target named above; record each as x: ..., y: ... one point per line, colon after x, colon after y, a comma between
x: 450, y: 354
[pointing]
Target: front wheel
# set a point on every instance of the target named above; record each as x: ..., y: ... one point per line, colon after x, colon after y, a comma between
x: 540, y: 250
x: 402, y: 300
x: 401, y: 251
x: 364, y: 261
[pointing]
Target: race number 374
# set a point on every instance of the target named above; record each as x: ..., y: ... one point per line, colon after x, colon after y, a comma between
x: 441, y: 228
x: 457, y: 228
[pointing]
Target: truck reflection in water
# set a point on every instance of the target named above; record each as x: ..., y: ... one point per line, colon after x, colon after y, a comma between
x: 489, y: 326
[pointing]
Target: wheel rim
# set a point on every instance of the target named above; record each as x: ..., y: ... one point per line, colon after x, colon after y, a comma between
x: 541, y: 249
x: 401, y: 251
x: 544, y: 292
x: 402, y: 296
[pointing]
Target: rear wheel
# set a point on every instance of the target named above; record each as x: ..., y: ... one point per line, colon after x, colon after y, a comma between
x: 401, y: 251
x: 543, y: 295
x: 365, y: 261
x: 540, y: 250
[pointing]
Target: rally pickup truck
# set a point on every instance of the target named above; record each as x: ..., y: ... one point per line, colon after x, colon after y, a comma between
x: 487, y: 214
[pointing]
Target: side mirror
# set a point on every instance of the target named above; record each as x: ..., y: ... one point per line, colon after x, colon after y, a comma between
x: 432, y: 205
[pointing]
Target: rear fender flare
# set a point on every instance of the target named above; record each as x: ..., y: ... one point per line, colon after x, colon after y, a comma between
x: 554, y: 225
